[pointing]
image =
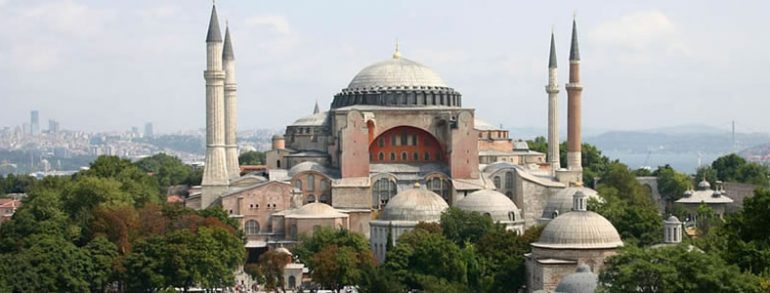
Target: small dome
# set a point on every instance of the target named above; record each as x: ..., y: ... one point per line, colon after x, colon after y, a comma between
x: 316, y: 210
x: 579, y: 230
x: 491, y: 202
x: 396, y: 73
x: 673, y: 220
x: 415, y: 204
x: 582, y: 281
x: 277, y: 136
x: 307, y: 166
x: 563, y: 199
x: 703, y: 185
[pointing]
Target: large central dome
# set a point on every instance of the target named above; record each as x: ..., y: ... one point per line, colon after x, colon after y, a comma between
x: 396, y: 73
x: 397, y: 82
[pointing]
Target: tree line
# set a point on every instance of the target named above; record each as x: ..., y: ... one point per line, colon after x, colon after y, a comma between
x: 108, y: 228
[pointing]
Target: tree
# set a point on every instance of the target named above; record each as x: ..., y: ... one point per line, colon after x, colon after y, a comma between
x: 727, y: 167
x: 706, y: 173
x: 143, y: 188
x: 754, y: 173
x: 335, y: 267
x: 746, y: 234
x: 167, y: 170
x: 628, y: 206
x: 378, y: 280
x: 421, y: 257
x: 102, y: 254
x: 539, y: 144
x: 672, y: 269
x: 251, y: 158
x: 270, y: 267
x: 49, y: 264
x: 460, y: 226
x: 672, y: 184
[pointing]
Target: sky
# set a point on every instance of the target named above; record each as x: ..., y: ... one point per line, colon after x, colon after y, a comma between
x: 111, y: 65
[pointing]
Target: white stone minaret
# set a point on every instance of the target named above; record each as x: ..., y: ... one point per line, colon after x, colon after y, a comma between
x: 215, y: 180
x: 553, y: 110
x: 231, y: 115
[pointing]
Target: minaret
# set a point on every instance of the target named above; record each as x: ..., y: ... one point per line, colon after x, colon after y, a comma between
x: 316, y: 110
x: 553, y: 110
x: 231, y: 114
x: 215, y: 171
x: 574, y: 93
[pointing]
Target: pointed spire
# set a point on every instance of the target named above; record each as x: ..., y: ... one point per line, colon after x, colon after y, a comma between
x: 316, y: 110
x: 214, y: 34
x: 574, y: 53
x: 552, y: 59
x: 397, y: 53
x: 227, y: 52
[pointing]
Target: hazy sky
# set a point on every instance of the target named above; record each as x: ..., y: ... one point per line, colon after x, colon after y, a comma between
x: 110, y: 65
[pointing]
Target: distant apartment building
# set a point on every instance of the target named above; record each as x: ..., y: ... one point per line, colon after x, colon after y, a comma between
x: 148, y: 131
x: 34, y: 122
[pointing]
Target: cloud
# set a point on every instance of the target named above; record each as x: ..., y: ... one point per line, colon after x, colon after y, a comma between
x: 66, y: 17
x: 640, y: 37
x: 275, y: 23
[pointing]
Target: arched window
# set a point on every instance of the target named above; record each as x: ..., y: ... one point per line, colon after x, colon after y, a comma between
x: 324, y: 184
x: 392, y: 156
x: 311, y: 198
x: 252, y: 227
x: 298, y: 184
x: 404, y: 156
x: 381, y: 142
x: 427, y: 156
x: 381, y: 156
x: 404, y: 138
x: 496, y: 180
x: 414, y: 139
x: 278, y: 164
x: 508, y: 180
x: 292, y: 282
x: 325, y: 198
x: 441, y: 187
x: 393, y: 140
x: 310, y: 183
x: 382, y: 191
x: 415, y: 156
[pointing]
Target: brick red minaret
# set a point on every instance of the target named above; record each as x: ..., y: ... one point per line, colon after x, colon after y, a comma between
x: 574, y: 93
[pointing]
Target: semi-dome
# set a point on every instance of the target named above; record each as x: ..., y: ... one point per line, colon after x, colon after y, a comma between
x: 415, y: 204
x: 397, y: 82
x: 316, y: 210
x: 579, y: 230
x: 491, y: 202
x: 562, y: 200
x: 582, y: 281
x: 396, y: 73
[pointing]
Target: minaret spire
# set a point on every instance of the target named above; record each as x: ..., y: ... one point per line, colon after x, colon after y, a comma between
x: 214, y: 181
x: 214, y: 34
x: 231, y: 112
x: 316, y: 110
x: 397, y: 53
x: 574, y: 105
x: 553, y: 110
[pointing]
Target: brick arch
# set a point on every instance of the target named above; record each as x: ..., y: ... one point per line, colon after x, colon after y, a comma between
x: 415, y: 142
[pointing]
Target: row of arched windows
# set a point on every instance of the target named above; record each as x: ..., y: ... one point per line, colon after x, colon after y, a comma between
x: 405, y: 156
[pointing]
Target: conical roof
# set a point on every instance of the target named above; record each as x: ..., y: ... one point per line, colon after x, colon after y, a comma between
x: 214, y: 34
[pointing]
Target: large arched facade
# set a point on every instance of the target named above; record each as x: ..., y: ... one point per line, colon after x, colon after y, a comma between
x: 405, y: 144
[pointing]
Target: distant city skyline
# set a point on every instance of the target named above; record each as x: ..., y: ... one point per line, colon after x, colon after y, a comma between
x: 106, y: 66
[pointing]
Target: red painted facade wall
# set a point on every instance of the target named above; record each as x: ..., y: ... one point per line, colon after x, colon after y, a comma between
x: 409, y: 141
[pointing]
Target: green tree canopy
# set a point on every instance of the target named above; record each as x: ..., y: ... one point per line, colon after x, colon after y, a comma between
x: 672, y: 269
x: 461, y: 227
x: 252, y: 158
x: 421, y: 257
x: 672, y: 184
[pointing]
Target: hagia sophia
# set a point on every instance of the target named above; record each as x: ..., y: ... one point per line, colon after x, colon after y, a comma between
x: 399, y: 146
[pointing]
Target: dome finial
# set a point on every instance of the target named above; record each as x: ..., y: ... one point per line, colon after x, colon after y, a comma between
x: 397, y: 53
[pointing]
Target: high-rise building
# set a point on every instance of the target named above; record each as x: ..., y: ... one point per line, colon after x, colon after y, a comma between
x: 34, y: 122
x: 148, y: 132
x: 53, y: 126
